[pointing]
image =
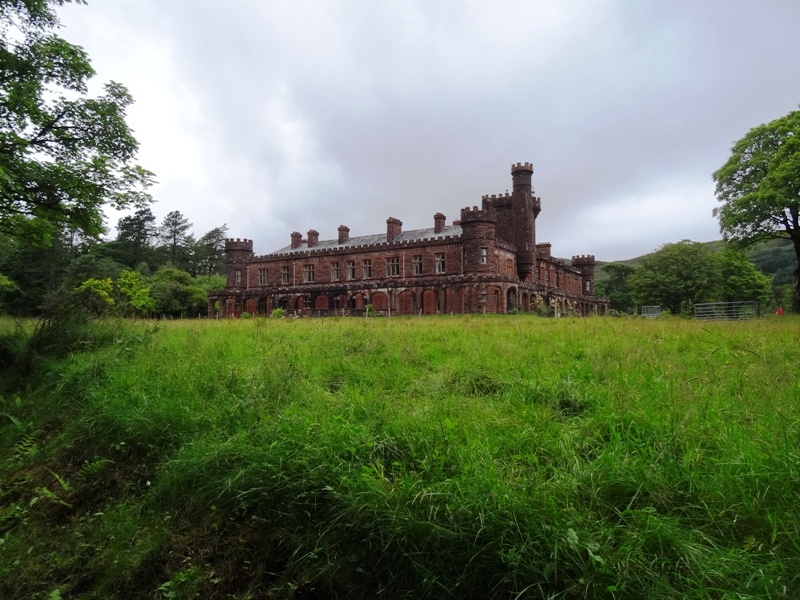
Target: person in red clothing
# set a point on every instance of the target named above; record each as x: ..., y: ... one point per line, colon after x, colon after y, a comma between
x: 779, y: 312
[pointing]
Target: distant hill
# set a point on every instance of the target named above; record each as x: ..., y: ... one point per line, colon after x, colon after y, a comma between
x: 774, y: 258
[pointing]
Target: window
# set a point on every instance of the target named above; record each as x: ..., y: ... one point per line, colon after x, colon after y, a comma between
x: 366, y: 268
x: 393, y: 266
x: 284, y: 275
x: 263, y: 277
x: 237, y: 278
x: 484, y: 255
x: 335, y: 271
x: 308, y: 273
x: 440, y: 264
x: 351, y: 269
x: 417, y: 262
x: 588, y: 286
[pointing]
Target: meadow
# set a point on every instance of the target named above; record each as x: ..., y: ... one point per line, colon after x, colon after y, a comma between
x: 438, y: 457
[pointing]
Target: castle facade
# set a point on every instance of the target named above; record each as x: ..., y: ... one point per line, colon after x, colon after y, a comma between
x: 488, y: 261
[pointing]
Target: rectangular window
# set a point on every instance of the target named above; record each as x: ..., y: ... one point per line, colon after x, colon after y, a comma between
x: 335, y: 271
x: 440, y: 264
x: 366, y: 268
x: 263, y: 277
x: 484, y: 255
x: 417, y: 262
x: 393, y: 266
x: 284, y: 275
x: 308, y: 273
x: 237, y: 278
x: 588, y: 285
x: 351, y: 269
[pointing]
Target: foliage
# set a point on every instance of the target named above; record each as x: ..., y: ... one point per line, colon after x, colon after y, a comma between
x: 740, y: 280
x: 759, y: 187
x: 278, y: 313
x: 135, y: 233
x: 677, y: 276
x: 95, y: 295
x: 398, y: 458
x: 63, y: 155
x: 615, y: 286
x: 175, y: 294
x: 132, y: 286
x: 174, y: 235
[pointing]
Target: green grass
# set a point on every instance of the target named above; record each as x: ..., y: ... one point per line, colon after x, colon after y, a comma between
x: 451, y: 457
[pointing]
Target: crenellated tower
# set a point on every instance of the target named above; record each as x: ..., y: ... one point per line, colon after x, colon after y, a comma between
x: 478, y: 227
x: 585, y: 262
x: 524, y: 212
x: 238, y: 252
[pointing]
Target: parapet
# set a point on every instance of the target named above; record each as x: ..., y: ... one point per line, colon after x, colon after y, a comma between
x: 583, y: 260
x: 238, y: 244
x: 522, y: 167
x: 487, y: 213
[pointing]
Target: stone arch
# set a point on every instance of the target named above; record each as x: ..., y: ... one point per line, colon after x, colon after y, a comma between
x: 379, y: 301
x: 356, y: 301
x: 511, y: 299
x: 321, y: 302
x: 430, y: 302
x: 407, y: 305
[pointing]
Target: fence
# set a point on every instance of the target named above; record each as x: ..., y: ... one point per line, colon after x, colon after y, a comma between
x: 651, y: 312
x: 726, y: 311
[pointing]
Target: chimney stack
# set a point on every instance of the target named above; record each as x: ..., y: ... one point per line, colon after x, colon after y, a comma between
x: 344, y: 233
x: 393, y: 229
x: 313, y: 237
x: 297, y: 238
x: 438, y: 222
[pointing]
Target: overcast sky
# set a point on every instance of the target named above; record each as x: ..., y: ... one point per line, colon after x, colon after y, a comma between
x: 279, y: 115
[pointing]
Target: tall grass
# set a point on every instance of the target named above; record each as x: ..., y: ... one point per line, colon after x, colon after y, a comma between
x: 462, y: 457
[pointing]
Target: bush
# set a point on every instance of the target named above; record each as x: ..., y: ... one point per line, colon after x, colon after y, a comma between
x: 278, y: 313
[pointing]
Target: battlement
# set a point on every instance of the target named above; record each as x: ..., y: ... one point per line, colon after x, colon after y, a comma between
x: 493, y: 197
x: 487, y: 213
x: 238, y: 244
x: 583, y: 260
x: 522, y: 167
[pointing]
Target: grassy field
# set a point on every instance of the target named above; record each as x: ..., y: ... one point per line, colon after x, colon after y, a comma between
x: 442, y: 457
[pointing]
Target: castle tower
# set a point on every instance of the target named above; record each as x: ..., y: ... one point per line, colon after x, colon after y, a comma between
x: 237, y: 254
x: 524, y: 218
x: 585, y: 262
x: 478, y: 227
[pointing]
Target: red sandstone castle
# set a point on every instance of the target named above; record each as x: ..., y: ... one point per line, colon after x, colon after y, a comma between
x: 488, y: 261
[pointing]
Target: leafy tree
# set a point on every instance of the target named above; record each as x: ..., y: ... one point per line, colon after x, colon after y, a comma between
x: 175, y: 293
x: 63, y: 155
x: 759, y: 188
x: 134, y: 236
x: 740, y: 280
x: 209, y: 252
x: 616, y: 288
x: 175, y: 237
x: 95, y: 295
x: 677, y: 276
x: 131, y: 284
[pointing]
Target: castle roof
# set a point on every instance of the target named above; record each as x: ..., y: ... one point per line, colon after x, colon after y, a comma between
x: 412, y: 235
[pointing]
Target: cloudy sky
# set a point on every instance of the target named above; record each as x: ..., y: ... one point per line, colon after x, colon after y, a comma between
x: 279, y: 115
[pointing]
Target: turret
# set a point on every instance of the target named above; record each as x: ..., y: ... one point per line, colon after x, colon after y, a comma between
x: 478, y: 227
x: 238, y: 252
x: 524, y: 222
x: 585, y: 262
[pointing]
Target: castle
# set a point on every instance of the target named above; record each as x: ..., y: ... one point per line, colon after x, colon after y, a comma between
x: 488, y: 261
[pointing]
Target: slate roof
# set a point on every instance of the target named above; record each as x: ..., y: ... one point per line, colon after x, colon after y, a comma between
x: 412, y: 235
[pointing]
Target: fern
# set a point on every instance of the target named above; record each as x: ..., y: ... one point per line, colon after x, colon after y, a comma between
x: 17, y: 423
x: 90, y: 470
x: 26, y: 445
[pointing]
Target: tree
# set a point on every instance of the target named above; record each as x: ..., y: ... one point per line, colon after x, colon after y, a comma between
x: 209, y: 252
x: 740, y: 280
x: 616, y: 288
x: 63, y: 155
x: 175, y: 237
x: 677, y: 276
x: 759, y: 188
x: 134, y: 234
